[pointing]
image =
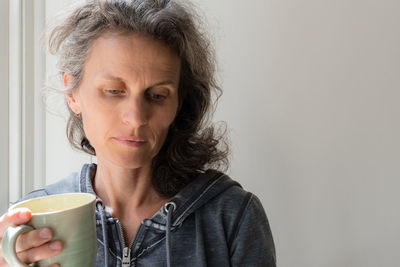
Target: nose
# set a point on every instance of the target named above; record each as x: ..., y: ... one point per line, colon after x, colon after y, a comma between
x: 135, y: 112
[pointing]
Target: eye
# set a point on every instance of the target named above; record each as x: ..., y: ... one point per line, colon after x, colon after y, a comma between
x: 115, y: 92
x: 156, y: 97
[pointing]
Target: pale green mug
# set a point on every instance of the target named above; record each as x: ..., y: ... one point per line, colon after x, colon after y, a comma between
x: 71, y: 217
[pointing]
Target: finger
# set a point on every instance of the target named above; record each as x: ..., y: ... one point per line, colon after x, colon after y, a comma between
x: 13, y: 218
x: 54, y: 265
x: 34, y: 238
x: 3, y: 262
x: 45, y: 251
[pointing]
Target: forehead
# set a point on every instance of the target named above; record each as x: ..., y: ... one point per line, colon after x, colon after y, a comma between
x: 132, y: 55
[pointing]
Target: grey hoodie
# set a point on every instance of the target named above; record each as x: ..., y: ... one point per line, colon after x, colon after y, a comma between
x: 215, y: 223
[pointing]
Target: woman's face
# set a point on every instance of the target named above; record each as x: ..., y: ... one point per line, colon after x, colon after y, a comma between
x: 128, y: 98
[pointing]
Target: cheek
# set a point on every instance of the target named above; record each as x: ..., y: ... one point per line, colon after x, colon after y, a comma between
x: 96, y: 122
x: 163, y: 122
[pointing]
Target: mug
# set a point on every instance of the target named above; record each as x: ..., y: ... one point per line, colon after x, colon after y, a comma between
x: 71, y: 217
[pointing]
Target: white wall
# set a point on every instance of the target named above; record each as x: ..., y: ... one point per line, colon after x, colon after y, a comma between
x: 310, y: 96
x: 61, y: 159
x: 4, y: 114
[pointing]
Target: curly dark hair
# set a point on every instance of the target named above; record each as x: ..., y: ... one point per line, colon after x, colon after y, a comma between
x: 193, y: 144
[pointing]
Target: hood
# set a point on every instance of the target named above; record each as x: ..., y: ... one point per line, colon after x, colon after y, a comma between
x: 193, y: 196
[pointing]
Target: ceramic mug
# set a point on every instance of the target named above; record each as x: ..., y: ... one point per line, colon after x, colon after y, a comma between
x: 71, y: 217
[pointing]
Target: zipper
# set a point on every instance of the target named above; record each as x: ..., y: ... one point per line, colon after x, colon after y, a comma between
x: 126, y: 253
x: 126, y: 257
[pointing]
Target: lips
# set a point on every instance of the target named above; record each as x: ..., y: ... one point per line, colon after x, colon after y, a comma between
x: 130, y: 141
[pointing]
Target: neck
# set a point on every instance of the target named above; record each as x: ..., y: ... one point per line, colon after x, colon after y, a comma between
x: 117, y: 186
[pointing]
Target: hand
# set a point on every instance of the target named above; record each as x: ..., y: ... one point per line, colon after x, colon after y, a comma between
x: 32, y: 246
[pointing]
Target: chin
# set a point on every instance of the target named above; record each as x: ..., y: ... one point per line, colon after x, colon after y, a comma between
x: 126, y: 159
x: 130, y: 162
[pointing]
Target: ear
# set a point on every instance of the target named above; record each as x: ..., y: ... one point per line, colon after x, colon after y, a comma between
x: 71, y: 95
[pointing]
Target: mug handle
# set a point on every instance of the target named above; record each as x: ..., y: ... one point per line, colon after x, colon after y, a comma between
x: 9, y: 241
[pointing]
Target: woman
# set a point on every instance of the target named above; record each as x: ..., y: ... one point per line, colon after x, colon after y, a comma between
x: 139, y: 76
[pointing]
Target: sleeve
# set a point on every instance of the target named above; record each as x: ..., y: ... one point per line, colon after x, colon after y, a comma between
x: 67, y: 185
x: 253, y: 245
x: 33, y: 194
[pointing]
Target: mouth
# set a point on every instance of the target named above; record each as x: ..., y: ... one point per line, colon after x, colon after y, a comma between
x: 130, y: 141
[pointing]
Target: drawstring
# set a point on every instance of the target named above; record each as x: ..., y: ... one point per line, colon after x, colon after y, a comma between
x: 169, y: 208
x: 99, y: 205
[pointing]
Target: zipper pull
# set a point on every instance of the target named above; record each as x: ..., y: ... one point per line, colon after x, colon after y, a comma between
x: 126, y: 257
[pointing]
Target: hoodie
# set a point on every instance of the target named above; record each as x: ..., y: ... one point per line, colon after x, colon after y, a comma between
x: 210, y: 222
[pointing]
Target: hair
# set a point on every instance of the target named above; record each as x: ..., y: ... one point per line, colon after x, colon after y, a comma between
x: 193, y: 144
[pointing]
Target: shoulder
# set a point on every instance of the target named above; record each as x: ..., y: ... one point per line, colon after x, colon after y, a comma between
x: 231, y: 204
x: 232, y: 197
x: 246, y: 226
x: 238, y: 202
x: 68, y: 184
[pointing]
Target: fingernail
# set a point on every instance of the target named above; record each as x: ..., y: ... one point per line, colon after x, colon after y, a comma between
x: 45, y: 233
x: 55, y: 246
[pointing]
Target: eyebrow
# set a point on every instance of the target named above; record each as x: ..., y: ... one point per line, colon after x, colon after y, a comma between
x: 108, y: 76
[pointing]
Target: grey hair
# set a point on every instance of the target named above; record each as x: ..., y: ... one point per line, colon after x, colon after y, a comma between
x: 191, y: 145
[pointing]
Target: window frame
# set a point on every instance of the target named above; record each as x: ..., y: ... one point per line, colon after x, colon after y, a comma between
x: 22, y: 166
x: 4, y: 107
